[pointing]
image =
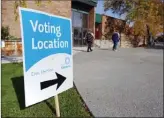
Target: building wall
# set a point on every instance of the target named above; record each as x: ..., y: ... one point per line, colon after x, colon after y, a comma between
x: 61, y: 8
x: 108, y: 24
x: 92, y: 19
x: 103, y: 23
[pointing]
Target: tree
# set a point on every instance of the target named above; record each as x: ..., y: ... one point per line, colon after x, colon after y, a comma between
x: 146, y: 14
x: 23, y: 3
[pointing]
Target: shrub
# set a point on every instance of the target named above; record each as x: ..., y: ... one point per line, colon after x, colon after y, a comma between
x: 13, y: 38
x: 5, y: 33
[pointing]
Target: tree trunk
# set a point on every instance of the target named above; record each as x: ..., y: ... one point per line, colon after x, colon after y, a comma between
x: 148, y: 35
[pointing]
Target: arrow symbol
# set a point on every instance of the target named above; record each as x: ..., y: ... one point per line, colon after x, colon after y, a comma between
x: 60, y: 79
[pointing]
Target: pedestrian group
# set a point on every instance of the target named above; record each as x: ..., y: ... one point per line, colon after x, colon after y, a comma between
x: 90, y: 37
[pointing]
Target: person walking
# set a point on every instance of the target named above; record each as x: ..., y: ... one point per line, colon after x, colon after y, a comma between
x: 115, y: 39
x: 89, y: 38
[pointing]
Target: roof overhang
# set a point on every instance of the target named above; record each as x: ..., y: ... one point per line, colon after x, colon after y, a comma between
x: 88, y: 2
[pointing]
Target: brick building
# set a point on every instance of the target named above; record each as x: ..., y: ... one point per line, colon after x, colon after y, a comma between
x: 105, y: 24
x: 81, y: 12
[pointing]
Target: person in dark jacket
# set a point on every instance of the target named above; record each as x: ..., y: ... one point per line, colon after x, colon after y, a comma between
x: 115, y: 39
x: 89, y: 39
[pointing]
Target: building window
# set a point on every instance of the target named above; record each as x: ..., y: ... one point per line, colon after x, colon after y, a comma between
x: 79, y: 27
x: 79, y: 19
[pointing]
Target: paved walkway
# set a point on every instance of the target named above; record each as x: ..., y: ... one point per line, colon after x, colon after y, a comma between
x: 127, y: 83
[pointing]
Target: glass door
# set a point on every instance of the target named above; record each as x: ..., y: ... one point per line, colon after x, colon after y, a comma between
x: 84, y: 32
x: 79, y: 27
x: 77, y: 36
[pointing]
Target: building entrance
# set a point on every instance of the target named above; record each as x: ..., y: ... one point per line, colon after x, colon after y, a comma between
x: 79, y: 27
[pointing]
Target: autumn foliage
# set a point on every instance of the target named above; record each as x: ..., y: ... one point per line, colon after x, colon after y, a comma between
x: 147, y: 15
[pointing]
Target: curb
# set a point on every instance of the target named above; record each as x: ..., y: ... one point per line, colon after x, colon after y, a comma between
x: 84, y: 104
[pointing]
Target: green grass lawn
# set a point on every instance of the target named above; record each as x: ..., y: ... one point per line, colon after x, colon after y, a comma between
x: 13, y: 98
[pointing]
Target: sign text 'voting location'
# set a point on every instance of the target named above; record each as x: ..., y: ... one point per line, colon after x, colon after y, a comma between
x: 47, y: 54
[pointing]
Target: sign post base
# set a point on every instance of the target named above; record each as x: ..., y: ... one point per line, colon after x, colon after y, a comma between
x: 57, y: 106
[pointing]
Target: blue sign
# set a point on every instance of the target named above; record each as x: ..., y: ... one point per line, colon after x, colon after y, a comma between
x: 47, y: 49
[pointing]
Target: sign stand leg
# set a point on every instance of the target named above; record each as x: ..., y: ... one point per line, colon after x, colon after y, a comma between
x: 57, y: 106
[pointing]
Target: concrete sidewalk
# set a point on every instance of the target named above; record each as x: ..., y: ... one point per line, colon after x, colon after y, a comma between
x: 10, y: 59
x: 126, y: 83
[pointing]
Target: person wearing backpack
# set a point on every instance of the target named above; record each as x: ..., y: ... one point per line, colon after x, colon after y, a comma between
x: 89, y: 39
x: 115, y: 39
